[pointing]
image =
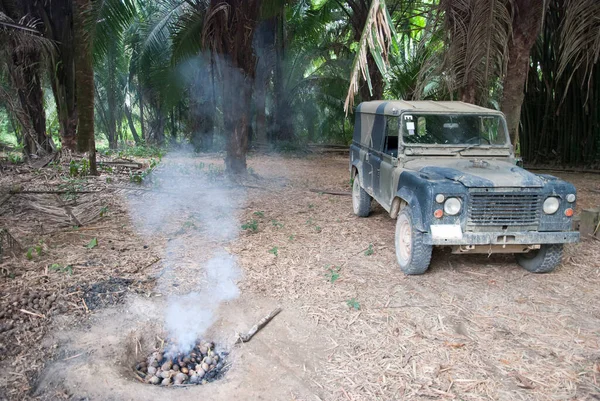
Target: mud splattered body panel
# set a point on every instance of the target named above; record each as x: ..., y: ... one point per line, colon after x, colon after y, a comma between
x: 396, y: 161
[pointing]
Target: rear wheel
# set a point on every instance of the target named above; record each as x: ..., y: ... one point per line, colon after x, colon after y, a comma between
x: 361, y: 200
x: 541, y: 260
x: 412, y: 254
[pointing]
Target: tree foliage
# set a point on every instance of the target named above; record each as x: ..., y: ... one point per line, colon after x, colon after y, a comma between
x: 234, y: 74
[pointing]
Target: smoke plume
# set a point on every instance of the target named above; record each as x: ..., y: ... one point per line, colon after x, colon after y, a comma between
x: 190, y: 205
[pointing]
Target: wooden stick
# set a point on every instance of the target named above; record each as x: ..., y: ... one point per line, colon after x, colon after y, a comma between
x: 32, y: 313
x: 325, y: 191
x: 257, y: 327
x: 74, y: 356
x: 50, y: 191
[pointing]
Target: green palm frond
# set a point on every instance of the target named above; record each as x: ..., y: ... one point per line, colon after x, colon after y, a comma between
x: 110, y: 18
x: 187, y: 34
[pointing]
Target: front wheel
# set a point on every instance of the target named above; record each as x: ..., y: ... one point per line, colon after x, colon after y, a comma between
x: 412, y: 253
x: 541, y: 260
x: 361, y: 200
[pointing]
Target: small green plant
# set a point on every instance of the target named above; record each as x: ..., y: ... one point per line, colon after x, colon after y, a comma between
x: 55, y: 267
x: 310, y: 222
x: 29, y: 254
x: 103, y: 211
x: 136, y: 178
x: 318, y: 229
x: 39, y: 248
x: 215, y: 172
x: 189, y: 225
x: 274, y: 251
x: 353, y: 303
x: 109, y: 180
x: 73, y: 168
x: 79, y: 168
x: 70, y: 186
x: 15, y: 158
x: 251, y: 225
x: 92, y: 244
x: 369, y: 250
x: 310, y: 206
x: 333, y: 273
x: 276, y: 224
x: 259, y: 213
x: 251, y: 171
x: 291, y: 237
x: 105, y: 168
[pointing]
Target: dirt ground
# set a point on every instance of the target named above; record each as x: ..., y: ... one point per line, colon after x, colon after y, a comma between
x: 75, y: 315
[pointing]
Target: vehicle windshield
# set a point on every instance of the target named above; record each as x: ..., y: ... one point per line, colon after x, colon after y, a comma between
x: 453, y: 129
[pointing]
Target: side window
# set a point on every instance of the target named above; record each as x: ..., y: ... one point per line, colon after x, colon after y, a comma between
x: 366, y: 128
x: 392, y: 130
x: 489, y: 129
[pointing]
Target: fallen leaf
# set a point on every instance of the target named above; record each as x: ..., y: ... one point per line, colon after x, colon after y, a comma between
x: 454, y: 345
x: 524, y: 382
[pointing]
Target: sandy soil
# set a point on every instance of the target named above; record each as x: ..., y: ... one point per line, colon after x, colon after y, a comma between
x: 353, y: 327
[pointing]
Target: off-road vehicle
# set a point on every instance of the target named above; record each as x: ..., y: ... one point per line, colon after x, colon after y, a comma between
x: 448, y: 173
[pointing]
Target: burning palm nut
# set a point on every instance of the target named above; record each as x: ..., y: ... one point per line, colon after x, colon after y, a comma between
x: 200, y: 366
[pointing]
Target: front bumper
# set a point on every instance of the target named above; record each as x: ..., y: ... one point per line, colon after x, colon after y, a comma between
x: 504, y: 238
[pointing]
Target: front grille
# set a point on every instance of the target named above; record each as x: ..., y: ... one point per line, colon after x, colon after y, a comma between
x: 504, y: 209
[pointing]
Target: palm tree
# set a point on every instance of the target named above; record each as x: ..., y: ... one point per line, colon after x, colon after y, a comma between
x: 229, y: 32
x: 23, y: 51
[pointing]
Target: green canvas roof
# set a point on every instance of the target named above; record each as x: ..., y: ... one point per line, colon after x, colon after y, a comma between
x: 395, y: 107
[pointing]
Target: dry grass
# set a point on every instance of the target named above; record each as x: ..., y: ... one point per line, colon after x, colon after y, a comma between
x: 472, y: 328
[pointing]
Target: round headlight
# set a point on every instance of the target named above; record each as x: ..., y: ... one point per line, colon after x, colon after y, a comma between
x: 551, y: 205
x: 571, y: 198
x: 439, y: 198
x: 452, y: 206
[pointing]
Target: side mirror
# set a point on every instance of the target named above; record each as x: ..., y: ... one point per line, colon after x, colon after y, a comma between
x: 394, y: 161
x: 519, y: 162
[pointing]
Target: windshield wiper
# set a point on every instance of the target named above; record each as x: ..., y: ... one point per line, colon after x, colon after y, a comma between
x: 471, y: 146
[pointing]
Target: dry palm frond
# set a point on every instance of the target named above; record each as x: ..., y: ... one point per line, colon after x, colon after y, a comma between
x: 377, y: 35
x: 580, y: 38
x: 215, y: 21
x: 23, y: 35
x: 476, y: 34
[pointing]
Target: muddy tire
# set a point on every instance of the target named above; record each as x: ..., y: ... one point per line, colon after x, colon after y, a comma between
x: 361, y: 200
x: 543, y: 260
x: 412, y: 254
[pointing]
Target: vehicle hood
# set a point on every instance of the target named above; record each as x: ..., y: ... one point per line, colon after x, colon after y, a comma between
x: 476, y: 173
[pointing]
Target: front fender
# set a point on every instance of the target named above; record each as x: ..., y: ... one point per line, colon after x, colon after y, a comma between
x: 413, y: 202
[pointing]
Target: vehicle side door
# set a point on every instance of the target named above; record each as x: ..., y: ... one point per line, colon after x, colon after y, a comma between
x: 375, y: 156
x: 369, y: 143
x: 389, y: 161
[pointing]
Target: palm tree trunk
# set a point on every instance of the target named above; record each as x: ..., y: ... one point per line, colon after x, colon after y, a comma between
x: 58, y: 26
x: 236, y: 124
x: 136, y: 137
x: 234, y: 40
x: 84, y: 81
x: 527, y: 22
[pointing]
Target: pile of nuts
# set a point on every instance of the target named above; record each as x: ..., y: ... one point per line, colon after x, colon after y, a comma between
x: 200, y: 366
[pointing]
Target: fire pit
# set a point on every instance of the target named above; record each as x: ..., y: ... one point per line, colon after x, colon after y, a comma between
x: 203, y: 364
